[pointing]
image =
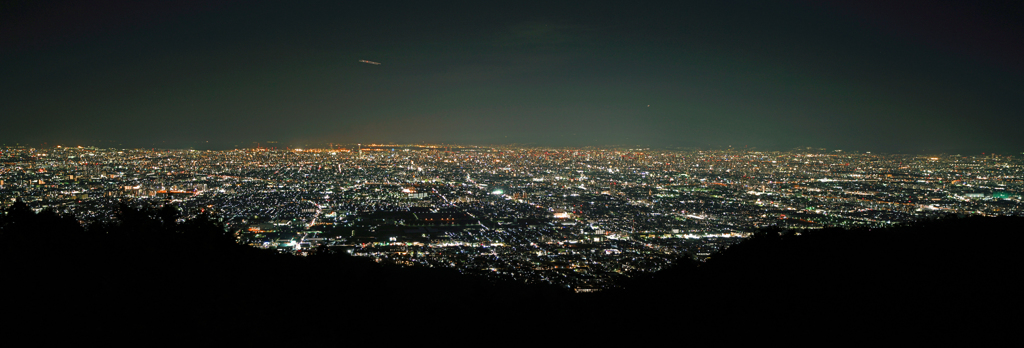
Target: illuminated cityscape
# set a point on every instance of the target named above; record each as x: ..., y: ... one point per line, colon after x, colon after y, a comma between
x: 370, y: 170
x: 582, y: 218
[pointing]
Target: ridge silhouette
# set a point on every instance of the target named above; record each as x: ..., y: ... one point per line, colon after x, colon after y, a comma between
x: 151, y: 271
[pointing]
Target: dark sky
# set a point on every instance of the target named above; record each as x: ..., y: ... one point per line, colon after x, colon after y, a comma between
x: 935, y: 76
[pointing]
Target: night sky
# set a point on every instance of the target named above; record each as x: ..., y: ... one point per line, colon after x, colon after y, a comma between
x: 911, y: 77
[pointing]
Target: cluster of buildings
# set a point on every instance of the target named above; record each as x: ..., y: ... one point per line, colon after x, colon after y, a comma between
x: 580, y: 218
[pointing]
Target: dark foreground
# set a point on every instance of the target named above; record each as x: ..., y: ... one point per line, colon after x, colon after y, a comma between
x: 148, y: 275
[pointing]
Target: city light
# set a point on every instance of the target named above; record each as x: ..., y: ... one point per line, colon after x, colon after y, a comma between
x: 579, y: 218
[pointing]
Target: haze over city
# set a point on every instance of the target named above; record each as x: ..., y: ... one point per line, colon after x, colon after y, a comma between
x: 904, y: 77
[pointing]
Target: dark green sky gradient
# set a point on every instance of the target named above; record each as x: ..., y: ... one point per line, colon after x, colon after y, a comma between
x: 734, y: 73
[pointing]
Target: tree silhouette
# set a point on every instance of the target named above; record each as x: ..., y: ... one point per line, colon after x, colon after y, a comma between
x: 169, y: 215
x: 142, y: 266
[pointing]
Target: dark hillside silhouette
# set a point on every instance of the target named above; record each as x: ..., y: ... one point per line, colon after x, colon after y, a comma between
x: 948, y: 274
x: 152, y: 272
x: 148, y: 271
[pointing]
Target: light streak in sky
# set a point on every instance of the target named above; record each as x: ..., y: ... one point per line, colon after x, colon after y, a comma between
x: 368, y: 62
